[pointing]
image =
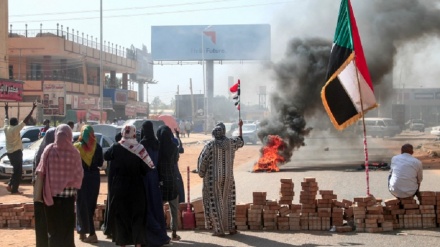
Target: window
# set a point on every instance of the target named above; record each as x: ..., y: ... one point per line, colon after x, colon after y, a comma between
x: 105, y: 143
x: 32, y: 134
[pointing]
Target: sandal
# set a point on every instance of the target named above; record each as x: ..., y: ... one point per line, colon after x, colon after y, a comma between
x: 176, y: 238
x: 217, y: 234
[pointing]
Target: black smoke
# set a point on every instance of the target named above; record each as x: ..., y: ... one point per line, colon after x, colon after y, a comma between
x: 384, y: 26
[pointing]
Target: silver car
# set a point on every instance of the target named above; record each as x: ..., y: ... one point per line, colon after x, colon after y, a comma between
x: 249, y: 133
x: 29, y: 155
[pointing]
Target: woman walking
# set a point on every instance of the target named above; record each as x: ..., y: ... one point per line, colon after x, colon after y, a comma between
x: 87, y: 196
x: 130, y: 162
x: 156, y: 231
x: 40, y: 216
x: 62, y: 170
x: 168, y: 156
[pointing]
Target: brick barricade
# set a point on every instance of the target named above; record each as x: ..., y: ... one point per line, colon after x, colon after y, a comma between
x: 318, y: 210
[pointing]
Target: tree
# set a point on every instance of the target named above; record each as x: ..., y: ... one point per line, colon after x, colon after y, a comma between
x: 156, y: 104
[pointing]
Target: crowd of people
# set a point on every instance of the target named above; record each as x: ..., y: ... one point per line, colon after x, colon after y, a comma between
x: 142, y: 177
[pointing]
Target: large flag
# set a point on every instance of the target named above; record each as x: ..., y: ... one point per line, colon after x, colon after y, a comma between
x: 348, y: 92
x: 235, y: 90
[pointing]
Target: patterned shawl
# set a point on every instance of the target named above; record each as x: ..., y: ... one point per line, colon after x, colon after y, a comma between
x: 61, y: 164
x: 86, y: 144
x: 130, y: 143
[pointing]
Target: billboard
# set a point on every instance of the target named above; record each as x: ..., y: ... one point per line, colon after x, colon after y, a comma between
x: 216, y: 42
x: 11, y: 90
x: 54, y: 95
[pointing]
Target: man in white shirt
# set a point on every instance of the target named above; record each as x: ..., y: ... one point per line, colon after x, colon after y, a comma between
x: 406, y: 174
x: 14, y: 147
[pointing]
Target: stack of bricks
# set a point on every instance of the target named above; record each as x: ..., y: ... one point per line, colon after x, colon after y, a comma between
x: 286, y: 199
x: 360, y: 213
x: 391, y: 211
x: 98, y: 217
x: 428, y: 201
x: 309, y: 217
x: 437, y: 208
x: 255, y: 211
x: 241, y: 216
x: 270, y: 213
x: 199, y: 212
x: 412, y: 217
x: 374, y: 216
x: 295, y: 217
x: 324, y: 206
x: 17, y: 215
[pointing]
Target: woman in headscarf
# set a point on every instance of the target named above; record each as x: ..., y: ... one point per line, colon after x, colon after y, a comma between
x: 130, y: 162
x: 87, y: 196
x: 107, y: 221
x: 156, y: 225
x: 216, y: 167
x: 63, y: 173
x: 168, y: 156
x: 40, y: 216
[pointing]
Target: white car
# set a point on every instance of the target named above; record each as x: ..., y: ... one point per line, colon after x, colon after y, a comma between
x: 29, y: 155
x: 435, y: 130
x: 29, y: 134
x: 249, y: 132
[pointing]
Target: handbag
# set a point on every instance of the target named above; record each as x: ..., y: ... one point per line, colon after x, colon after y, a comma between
x: 38, y: 188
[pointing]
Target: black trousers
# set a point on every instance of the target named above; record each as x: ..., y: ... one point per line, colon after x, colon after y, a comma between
x: 16, y: 159
x: 61, y: 222
x: 40, y: 225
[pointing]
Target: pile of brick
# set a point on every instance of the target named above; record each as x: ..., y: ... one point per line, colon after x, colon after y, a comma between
x: 318, y: 210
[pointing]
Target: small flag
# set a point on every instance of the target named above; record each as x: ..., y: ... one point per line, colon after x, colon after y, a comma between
x: 235, y: 90
x: 348, y: 92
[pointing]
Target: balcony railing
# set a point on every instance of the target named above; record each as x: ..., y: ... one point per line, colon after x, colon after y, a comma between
x: 76, y: 37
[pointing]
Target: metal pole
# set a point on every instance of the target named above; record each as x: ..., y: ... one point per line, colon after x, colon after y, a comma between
x: 101, y: 76
x: 205, y: 112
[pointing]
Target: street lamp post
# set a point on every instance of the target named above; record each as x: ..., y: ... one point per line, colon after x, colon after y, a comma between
x: 205, y: 102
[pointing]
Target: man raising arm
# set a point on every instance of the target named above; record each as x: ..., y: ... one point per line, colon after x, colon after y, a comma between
x: 14, y: 147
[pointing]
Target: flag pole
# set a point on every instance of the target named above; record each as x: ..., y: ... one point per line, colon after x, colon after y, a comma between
x: 367, y: 172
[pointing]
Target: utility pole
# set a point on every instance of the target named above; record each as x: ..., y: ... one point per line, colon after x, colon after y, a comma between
x: 192, y: 98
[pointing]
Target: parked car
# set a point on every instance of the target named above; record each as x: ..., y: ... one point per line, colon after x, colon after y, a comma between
x: 416, y: 124
x: 29, y: 134
x: 230, y: 127
x: 138, y: 124
x: 435, y: 130
x: 379, y: 127
x: 108, y: 130
x: 249, y: 133
x: 29, y: 155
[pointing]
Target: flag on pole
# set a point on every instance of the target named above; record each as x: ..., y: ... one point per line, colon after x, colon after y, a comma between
x: 235, y: 90
x: 348, y: 92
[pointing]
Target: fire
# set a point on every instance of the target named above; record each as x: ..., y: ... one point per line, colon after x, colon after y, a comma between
x: 270, y: 157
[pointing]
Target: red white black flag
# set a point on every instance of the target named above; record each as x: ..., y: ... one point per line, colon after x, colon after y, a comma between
x: 235, y: 90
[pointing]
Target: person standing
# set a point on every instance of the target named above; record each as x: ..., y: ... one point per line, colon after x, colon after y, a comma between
x: 87, y: 196
x: 188, y: 127
x: 182, y: 127
x: 156, y: 230
x: 406, y: 173
x: 39, y: 214
x: 180, y: 186
x: 168, y: 156
x: 216, y: 167
x: 14, y: 148
x: 43, y: 130
x: 130, y: 162
x: 61, y: 168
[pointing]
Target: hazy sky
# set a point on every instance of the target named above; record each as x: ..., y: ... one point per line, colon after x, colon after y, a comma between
x: 129, y: 23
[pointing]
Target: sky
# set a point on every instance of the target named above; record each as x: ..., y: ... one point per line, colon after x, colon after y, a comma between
x: 129, y: 23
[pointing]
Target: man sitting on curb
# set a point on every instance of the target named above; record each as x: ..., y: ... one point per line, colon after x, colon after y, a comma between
x: 406, y: 174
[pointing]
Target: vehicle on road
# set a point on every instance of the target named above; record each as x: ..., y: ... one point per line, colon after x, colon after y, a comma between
x: 415, y: 124
x: 379, y: 127
x: 249, y: 133
x: 230, y: 127
x: 108, y: 130
x: 29, y: 155
x: 29, y: 134
x: 435, y: 130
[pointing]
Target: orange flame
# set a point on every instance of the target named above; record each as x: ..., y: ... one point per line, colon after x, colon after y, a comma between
x: 270, y: 158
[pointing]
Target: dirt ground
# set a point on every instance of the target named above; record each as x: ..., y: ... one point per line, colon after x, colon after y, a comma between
x: 249, y: 153
x: 17, y: 237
